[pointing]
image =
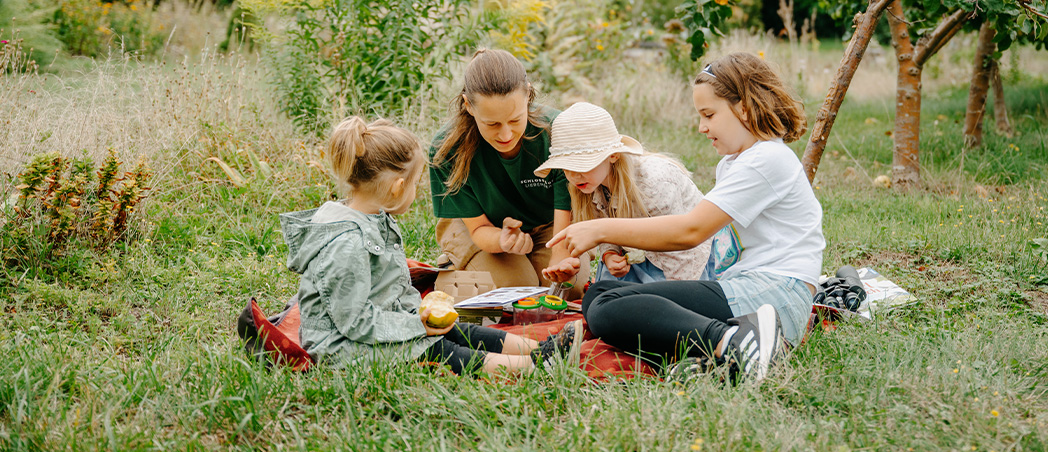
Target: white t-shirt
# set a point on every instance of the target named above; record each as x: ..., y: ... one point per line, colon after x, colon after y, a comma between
x: 776, y: 215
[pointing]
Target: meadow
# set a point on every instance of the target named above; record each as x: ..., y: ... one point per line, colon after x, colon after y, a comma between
x: 133, y: 347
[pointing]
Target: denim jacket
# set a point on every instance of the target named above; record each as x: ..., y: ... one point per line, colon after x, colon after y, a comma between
x: 355, y: 295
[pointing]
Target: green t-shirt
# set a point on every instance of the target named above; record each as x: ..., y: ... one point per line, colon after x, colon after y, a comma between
x: 501, y: 188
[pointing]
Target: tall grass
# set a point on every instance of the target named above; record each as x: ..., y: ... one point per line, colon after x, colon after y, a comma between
x: 134, y: 348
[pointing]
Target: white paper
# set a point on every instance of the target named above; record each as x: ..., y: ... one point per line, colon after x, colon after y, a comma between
x: 501, y: 297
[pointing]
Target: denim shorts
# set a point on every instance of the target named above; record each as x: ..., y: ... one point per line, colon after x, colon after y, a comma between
x: 790, y: 296
x: 644, y: 272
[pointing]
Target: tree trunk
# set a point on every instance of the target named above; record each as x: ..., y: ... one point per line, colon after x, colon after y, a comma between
x: 980, y: 86
x: 1000, y: 109
x: 839, y: 87
x: 906, y: 171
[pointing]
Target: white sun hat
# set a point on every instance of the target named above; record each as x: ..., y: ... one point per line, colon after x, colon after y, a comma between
x: 582, y: 137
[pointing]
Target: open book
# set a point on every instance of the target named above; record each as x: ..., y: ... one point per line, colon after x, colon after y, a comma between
x: 500, y: 297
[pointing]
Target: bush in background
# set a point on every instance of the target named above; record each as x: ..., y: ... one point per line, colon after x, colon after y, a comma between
x: 91, y: 27
x: 363, y: 56
x: 566, y: 42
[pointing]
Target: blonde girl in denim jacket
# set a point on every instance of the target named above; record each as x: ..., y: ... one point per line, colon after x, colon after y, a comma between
x: 356, y: 299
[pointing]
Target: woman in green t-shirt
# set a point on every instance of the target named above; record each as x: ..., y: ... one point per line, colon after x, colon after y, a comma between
x: 495, y: 214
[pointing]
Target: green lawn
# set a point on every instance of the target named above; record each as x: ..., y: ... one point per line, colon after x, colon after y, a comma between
x: 134, y: 347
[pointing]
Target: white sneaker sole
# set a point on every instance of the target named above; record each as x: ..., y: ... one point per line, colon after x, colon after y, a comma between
x: 576, y: 344
x: 768, y: 327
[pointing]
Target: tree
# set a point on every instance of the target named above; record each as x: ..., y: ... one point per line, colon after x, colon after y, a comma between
x: 946, y: 18
x: 996, y: 34
x: 980, y: 85
x: 864, y: 28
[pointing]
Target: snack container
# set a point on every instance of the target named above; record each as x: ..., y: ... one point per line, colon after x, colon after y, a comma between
x: 538, y: 309
x: 527, y: 311
x: 554, y: 304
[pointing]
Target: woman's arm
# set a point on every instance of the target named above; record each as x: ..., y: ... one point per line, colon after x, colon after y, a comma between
x: 492, y: 239
x: 665, y: 233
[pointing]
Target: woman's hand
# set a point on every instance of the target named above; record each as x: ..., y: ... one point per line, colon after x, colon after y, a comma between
x: 579, y: 237
x: 512, y: 239
x: 616, y: 264
x: 563, y: 270
x: 430, y: 331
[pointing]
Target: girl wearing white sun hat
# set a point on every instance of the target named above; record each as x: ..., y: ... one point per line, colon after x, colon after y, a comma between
x: 611, y: 176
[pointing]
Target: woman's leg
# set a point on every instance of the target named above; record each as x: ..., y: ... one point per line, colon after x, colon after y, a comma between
x: 660, y: 318
x: 507, y: 270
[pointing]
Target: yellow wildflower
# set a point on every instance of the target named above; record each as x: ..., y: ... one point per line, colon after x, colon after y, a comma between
x: 721, y: 2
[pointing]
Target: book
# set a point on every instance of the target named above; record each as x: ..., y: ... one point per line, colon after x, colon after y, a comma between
x: 882, y: 295
x: 500, y: 297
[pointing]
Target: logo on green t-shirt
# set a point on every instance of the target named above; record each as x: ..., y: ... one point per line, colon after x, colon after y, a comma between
x: 536, y: 183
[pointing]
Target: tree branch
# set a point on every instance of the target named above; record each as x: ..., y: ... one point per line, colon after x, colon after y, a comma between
x: 1029, y: 8
x: 839, y: 86
x: 934, y: 41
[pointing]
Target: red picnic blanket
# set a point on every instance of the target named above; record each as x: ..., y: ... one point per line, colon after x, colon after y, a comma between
x: 600, y: 360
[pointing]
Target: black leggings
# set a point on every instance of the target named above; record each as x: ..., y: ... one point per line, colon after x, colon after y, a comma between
x: 465, y: 346
x: 659, y: 320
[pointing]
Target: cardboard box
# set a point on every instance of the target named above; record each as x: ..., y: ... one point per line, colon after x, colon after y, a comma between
x: 462, y: 284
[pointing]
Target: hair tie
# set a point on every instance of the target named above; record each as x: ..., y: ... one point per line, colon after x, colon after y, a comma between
x: 706, y: 70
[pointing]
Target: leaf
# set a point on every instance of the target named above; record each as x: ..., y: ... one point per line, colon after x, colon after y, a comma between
x: 1040, y: 248
x: 259, y: 165
x: 234, y: 176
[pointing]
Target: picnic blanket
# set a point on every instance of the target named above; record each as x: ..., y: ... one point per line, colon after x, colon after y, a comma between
x: 600, y: 360
x: 277, y: 337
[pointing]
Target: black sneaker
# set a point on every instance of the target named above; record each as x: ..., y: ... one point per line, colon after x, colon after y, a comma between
x: 754, y: 344
x: 564, y: 344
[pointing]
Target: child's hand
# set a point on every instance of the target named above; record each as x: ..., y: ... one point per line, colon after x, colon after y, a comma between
x: 579, y: 237
x: 430, y: 331
x: 617, y: 264
x: 563, y: 270
x: 512, y: 239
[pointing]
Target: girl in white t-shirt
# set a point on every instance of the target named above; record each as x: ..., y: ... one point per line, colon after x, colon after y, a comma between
x: 763, y: 193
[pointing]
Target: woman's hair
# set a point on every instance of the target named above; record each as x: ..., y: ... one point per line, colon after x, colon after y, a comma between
x: 368, y: 157
x: 491, y: 72
x: 625, y: 201
x: 749, y: 84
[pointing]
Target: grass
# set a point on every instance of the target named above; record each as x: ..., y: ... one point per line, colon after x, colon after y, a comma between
x: 134, y: 347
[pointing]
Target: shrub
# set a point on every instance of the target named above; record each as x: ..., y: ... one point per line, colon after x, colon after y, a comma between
x: 575, y: 39
x: 363, y: 56
x: 91, y: 27
x: 61, y: 201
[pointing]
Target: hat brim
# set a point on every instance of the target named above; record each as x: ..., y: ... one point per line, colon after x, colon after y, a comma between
x: 583, y: 161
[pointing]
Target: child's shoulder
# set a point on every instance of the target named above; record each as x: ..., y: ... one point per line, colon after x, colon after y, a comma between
x: 653, y: 163
x: 771, y: 152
